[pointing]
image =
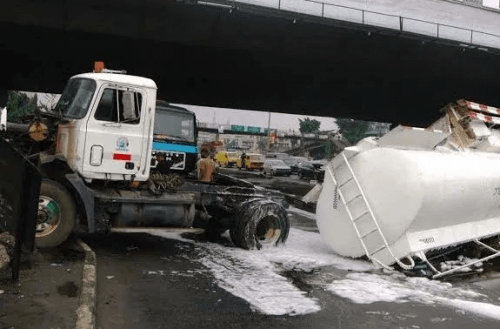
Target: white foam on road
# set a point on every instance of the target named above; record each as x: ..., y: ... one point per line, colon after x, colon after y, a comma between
x: 484, y: 309
x: 367, y: 288
x: 257, y: 277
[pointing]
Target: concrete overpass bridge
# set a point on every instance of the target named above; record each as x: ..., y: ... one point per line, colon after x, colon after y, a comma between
x: 394, y: 61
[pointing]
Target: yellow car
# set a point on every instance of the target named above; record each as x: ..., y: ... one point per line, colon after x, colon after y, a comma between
x: 251, y: 161
x: 222, y: 158
x: 232, y: 158
x: 227, y: 159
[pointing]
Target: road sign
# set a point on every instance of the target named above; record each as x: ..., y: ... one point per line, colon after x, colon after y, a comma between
x: 237, y: 128
x: 253, y: 129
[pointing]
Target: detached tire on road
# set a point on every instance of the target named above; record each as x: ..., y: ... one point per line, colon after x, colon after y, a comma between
x: 259, y: 222
x: 56, y: 215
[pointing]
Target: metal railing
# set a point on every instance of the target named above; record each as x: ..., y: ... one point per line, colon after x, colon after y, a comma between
x: 409, y: 25
x: 465, y: 37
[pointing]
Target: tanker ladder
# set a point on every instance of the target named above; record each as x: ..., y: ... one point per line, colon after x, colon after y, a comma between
x: 361, y: 215
x: 440, y: 274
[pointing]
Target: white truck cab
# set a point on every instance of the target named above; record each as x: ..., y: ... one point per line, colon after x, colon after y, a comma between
x: 108, y: 132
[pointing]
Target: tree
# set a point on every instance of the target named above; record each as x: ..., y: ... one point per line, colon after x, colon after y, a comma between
x: 352, y: 130
x: 19, y: 104
x: 379, y: 128
x: 329, y: 150
x: 308, y: 126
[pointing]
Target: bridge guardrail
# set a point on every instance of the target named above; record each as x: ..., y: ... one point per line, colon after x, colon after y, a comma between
x: 466, y: 37
x: 406, y: 24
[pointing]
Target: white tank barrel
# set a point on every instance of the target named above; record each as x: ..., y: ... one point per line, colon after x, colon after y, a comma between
x: 414, y: 190
x: 421, y: 200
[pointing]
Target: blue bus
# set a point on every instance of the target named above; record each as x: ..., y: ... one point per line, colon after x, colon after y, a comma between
x: 174, y: 140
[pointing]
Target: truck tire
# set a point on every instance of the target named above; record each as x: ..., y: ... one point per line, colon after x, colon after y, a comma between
x: 56, y: 215
x: 259, y: 222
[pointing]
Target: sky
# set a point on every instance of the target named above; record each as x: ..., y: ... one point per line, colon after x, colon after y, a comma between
x: 254, y: 118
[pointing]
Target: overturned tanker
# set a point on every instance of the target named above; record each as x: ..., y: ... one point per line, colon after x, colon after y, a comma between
x: 413, y: 191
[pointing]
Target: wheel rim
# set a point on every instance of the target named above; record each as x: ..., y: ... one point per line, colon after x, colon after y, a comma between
x: 268, y: 230
x: 49, y: 216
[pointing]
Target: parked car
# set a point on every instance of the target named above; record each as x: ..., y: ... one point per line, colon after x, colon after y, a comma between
x: 232, y: 158
x: 308, y: 170
x: 293, y: 163
x: 279, y: 156
x: 227, y: 158
x: 251, y: 161
x: 320, y: 168
x: 318, y: 164
x: 221, y: 158
x: 275, y: 167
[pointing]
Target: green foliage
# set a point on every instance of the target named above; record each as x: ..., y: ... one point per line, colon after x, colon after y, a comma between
x: 329, y: 150
x: 379, y: 128
x: 19, y: 104
x: 308, y: 126
x: 352, y: 130
x: 356, y: 130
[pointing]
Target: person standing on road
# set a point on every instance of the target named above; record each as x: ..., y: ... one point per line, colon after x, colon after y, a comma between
x: 243, y: 156
x: 206, y: 167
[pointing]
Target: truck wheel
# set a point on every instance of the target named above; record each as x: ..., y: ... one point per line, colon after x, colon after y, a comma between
x: 56, y: 215
x: 259, y: 222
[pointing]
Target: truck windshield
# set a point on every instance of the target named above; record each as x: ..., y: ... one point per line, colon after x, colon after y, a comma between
x: 75, y: 99
x: 174, y: 125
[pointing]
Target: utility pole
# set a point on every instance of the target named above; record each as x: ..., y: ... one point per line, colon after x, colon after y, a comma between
x: 268, y: 131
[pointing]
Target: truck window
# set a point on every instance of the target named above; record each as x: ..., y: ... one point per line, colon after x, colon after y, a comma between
x: 75, y: 99
x: 175, y: 125
x: 119, y: 106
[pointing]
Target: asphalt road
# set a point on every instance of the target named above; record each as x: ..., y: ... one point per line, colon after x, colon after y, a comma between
x: 182, y: 293
x: 147, y: 281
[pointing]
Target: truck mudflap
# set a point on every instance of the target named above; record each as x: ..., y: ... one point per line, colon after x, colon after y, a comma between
x: 19, y: 191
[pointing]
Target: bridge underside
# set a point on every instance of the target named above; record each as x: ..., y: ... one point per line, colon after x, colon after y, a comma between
x: 258, y: 61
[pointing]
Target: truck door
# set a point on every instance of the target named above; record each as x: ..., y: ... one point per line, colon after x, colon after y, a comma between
x: 115, y: 132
